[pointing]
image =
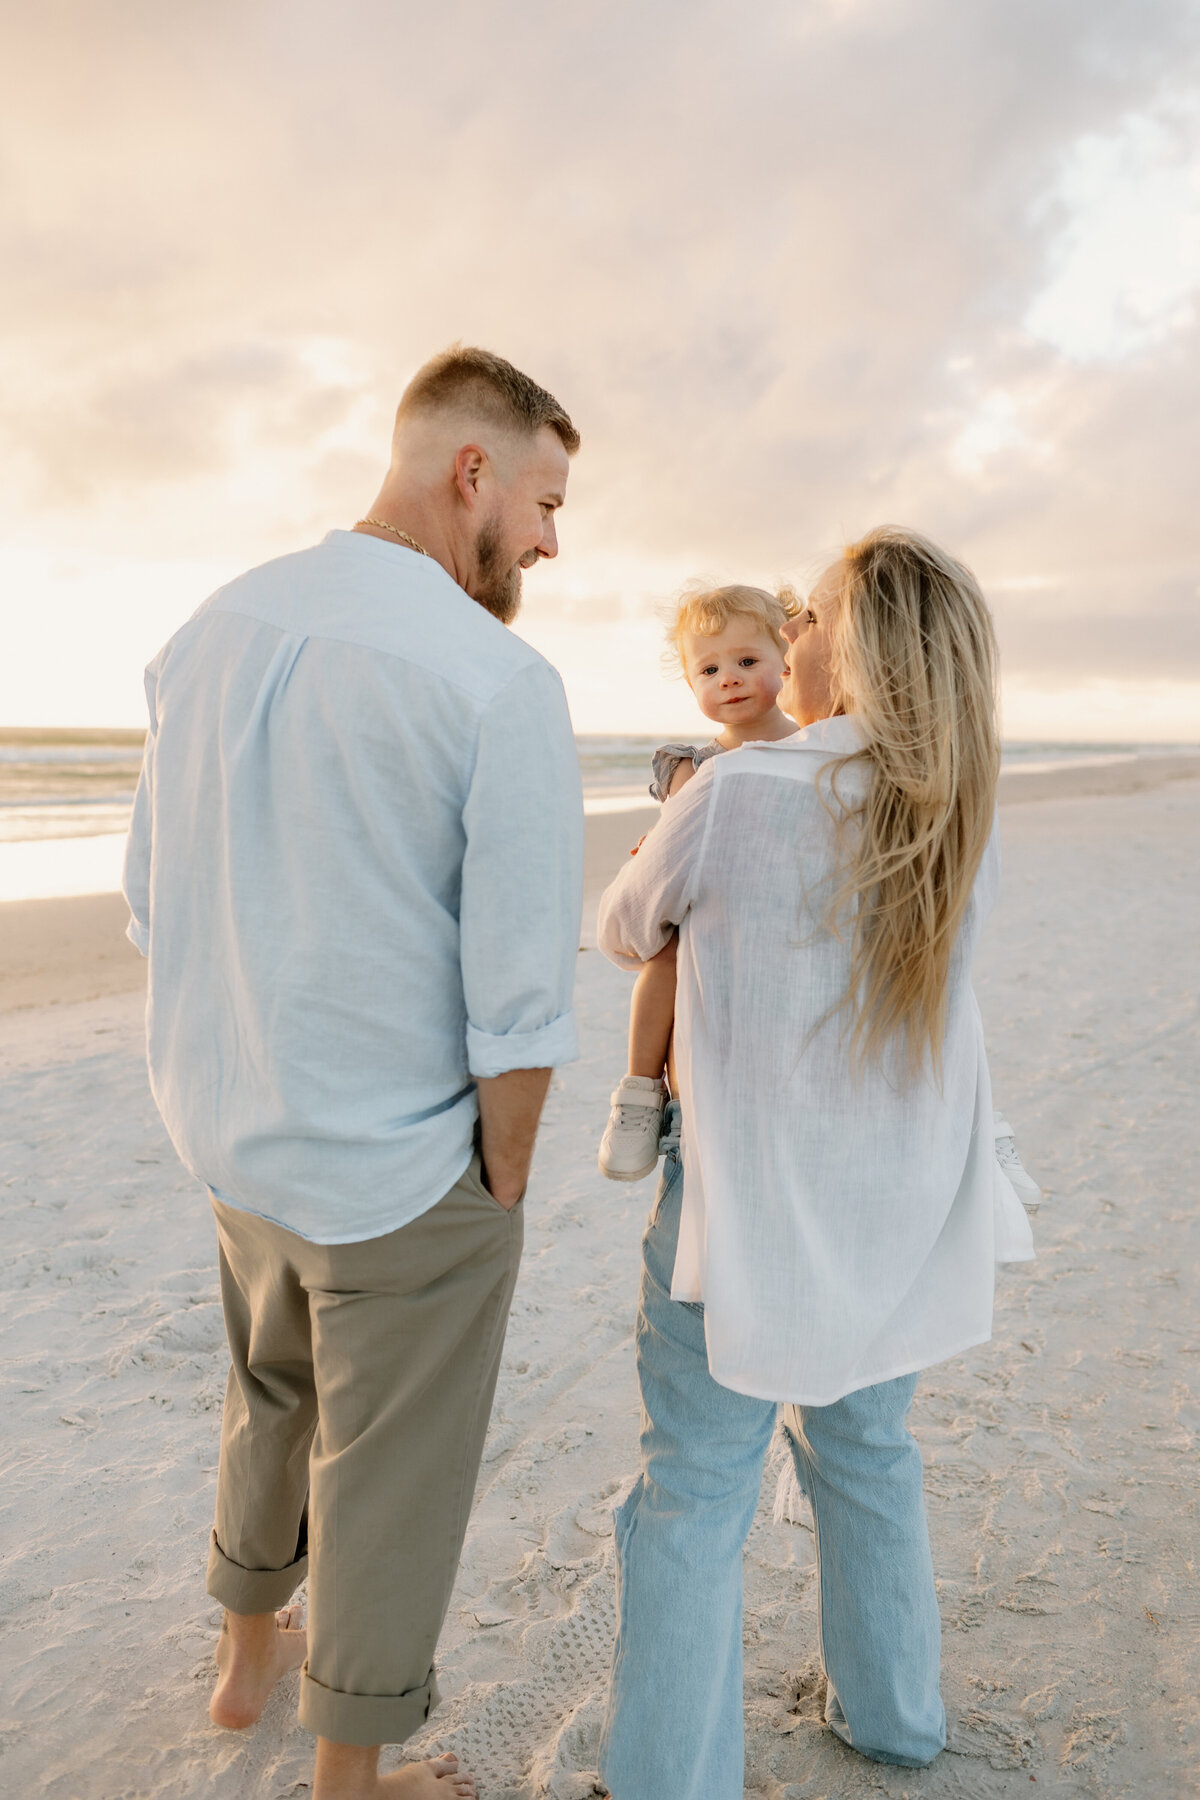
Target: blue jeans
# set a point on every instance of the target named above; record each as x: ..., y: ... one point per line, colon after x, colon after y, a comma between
x: 674, y: 1729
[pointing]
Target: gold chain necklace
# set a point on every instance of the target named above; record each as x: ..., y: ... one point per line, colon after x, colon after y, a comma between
x: 382, y: 525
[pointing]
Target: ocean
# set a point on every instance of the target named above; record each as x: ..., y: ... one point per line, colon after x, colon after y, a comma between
x: 65, y: 796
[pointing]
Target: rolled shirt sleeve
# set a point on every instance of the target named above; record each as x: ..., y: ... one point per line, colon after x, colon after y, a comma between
x: 135, y: 878
x: 641, y: 908
x: 522, y: 881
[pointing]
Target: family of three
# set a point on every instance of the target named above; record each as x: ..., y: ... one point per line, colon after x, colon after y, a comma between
x: 355, y: 868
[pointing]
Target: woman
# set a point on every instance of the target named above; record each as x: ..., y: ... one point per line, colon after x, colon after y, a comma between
x: 831, y: 1223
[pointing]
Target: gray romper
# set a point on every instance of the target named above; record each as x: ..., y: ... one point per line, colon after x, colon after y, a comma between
x: 667, y: 758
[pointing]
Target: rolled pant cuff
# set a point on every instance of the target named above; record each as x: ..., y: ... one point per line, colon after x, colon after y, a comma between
x: 250, y: 1590
x: 365, y: 1719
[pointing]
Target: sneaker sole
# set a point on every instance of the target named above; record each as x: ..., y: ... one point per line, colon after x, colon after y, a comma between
x: 628, y: 1174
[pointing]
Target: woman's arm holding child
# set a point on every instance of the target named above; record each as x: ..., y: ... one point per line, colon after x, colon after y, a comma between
x: 640, y: 909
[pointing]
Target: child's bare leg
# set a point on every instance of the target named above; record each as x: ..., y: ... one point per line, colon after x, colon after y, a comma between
x: 629, y: 1147
x: 652, y: 1013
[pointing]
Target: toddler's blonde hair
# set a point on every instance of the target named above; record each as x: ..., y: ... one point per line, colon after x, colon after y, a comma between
x: 705, y: 611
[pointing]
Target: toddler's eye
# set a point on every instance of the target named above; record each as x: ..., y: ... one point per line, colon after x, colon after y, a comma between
x: 748, y: 662
x: 710, y: 670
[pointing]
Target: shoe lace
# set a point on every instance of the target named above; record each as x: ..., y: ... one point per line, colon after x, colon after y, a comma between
x: 629, y: 1113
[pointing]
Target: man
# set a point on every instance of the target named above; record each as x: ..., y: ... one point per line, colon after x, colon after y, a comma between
x: 355, y: 866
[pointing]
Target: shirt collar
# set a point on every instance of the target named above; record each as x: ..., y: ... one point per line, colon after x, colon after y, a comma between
x: 841, y: 736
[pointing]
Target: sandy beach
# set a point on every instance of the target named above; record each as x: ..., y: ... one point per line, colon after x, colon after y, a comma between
x: 1060, y: 1457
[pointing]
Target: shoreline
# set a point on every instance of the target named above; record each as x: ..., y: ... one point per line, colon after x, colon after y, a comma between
x: 56, y: 952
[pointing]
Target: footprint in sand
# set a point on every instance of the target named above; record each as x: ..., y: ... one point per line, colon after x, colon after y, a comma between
x: 537, y: 1732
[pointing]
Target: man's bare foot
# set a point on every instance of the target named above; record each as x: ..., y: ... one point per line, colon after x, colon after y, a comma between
x: 440, y: 1779
x: 253, y: 1651
x: 351, y: 1772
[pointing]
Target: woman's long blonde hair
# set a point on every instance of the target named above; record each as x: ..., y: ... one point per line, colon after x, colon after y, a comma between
x: 913, y: 656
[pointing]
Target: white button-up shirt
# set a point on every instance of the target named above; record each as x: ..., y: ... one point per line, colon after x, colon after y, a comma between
x: 840, y: 1229
x: 355, y: 866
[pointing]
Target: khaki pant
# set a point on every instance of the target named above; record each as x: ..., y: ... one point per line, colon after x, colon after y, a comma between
x: 361, y: 1383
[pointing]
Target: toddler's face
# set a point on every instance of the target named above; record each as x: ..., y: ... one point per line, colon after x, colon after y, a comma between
x: 736, y: 674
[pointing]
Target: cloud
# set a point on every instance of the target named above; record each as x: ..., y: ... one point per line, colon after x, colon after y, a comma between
x: 793, y: 271
x: 1128, y: 256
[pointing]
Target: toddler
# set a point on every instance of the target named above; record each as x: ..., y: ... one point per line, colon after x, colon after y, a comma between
x: 730, y: 649
x: 731, y: 652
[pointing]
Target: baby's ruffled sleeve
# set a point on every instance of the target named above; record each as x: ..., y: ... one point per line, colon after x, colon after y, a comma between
x: 664, y: 762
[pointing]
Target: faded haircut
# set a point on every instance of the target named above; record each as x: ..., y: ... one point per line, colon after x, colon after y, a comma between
x: 466, y: 379
x: 704, y: 612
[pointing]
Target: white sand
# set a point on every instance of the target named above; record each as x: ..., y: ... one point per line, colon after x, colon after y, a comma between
x: 1061, y: 1458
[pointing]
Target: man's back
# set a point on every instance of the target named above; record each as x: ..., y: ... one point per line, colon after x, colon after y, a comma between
x: 363, y: 801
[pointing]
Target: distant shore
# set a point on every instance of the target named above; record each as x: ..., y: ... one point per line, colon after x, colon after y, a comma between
x: 54, y: 952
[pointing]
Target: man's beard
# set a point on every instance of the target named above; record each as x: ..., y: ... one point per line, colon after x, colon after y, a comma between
x: 499, y: 592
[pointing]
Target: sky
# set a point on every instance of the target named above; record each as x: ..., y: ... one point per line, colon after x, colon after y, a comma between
x: 795, y: 269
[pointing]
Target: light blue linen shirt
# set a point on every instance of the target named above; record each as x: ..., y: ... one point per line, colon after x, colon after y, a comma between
x: 355, y: 866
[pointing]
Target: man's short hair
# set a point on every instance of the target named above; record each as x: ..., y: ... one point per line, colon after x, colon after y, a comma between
x: 469, y: 380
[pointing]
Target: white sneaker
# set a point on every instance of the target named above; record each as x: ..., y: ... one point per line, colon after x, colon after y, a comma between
x: 629, y: 1147
x: 1028, y: 1192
